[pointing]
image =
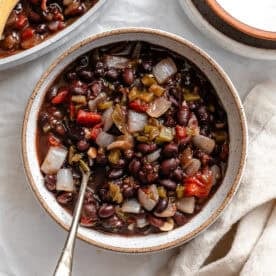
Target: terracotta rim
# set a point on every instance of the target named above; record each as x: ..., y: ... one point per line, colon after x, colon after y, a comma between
x: 237, y: 24
x: 230, y: 194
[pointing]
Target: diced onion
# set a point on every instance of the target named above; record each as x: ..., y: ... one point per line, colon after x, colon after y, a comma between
x: 65, y: 180
x: 92, y: 104
x: 107, y: 119
x: 131, y: 206
x: 148, y: 200
x: 104, y: 139
x: 153, y: 156
x: 216, y: 173
x: 141, y: 222
x: 136, y: 121
x: 204, y: 143
x: 164, y: 69
x: 115, y: 62
x: 186, y: 205
x: 158, y: 107
x: 54, y: 160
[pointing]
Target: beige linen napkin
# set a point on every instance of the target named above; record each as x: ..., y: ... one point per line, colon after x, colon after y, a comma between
x: 253, y: 248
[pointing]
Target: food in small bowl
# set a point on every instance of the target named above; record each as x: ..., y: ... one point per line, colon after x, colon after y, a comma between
x: 31, y: 22
x: 150, y: 128
x: 136, y: 109
x: 37, y: 26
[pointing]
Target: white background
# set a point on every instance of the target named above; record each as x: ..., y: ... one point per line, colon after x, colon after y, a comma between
x: 30, y: 241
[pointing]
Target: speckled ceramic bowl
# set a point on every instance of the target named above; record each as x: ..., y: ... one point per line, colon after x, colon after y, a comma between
x: 54, y: 41
x: 238, y: 143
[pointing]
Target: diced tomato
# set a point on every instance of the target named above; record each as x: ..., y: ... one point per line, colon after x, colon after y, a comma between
x: 61, y: 96
x: 88, y: 118
x: 95, y: 131
x: 27, y: 33
x: 199, y: 185
x: 72, y: 111
x: 21, y: 21
x: 53, y: 141
x: 180, y: 132
x: 87, y: 222
x: 138, y: 105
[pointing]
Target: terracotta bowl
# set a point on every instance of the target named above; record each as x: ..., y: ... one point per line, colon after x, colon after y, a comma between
x: 54, y: 41
x: 238, y: 142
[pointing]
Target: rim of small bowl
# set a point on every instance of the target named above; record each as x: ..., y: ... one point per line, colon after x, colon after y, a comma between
x: 237, y: 24
x: 52, y: 42
x: 215, y: 213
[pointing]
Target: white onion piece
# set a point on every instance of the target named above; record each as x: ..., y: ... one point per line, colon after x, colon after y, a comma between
x: 141, y: 222
x: 136, y: 121
x: 104, y: 139
x: 216, y: 173
x: 193, y: 167
x: 54, y: 160
x: 186, y: 205
x: 204, y: 143
x: 65, y: 180
x: 168, y: 212
x: 164, y: 69
x: 131, y: 206
x: 107, y: 119
x: 158, y: 107
x: 153, y: 156
x: 115, y: 62
x: 92, y: 104
x: 148, y: 200
x: 167, y: 226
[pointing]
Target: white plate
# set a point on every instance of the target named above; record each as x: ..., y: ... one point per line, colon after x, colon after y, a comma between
x: 228, y: 43
x: 54, y: 41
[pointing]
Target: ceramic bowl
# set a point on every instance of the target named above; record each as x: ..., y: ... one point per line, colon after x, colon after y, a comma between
x: 237, y: 129
x: 54, y: 41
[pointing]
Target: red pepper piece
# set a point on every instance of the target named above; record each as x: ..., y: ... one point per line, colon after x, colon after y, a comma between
x: 21, y: 21
x: 199, y: 185
x: 27, y: 33
x: 138, y: 106
x: 61, y: 96
x: 180, y: 132
x: 53, y: 141
x: 95, y: 131
x: 88, y: 118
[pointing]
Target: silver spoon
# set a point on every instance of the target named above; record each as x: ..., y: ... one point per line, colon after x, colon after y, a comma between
x: 64, y: 265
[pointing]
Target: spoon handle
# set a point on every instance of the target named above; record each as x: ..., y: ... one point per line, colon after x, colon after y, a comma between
x: 64, y: 265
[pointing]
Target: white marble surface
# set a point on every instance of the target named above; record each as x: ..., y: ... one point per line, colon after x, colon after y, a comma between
x: 30, y: 241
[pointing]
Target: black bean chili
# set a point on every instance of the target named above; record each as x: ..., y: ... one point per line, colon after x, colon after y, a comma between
x: 33, y: 21
x: 150, y: 128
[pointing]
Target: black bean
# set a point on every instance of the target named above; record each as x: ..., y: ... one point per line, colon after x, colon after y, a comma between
x: 170, y: 150
x: 90, y: 211
x: 96, y: 88
x: 202, y: 114
x: 112, y: 74
x: 178, y: 174
x: 128, y: 76
x: 154, y: 221
x: 65, y: 198
x: 101, y: 159
x: 183, y: 116
x: 169, y: 165
x: 147, y: 65
x: 106, y: 211
x: 168, y: 183
x: 146, y: 148
x: 128, y: 192
x: 134, y: 166
x: 71, y: 76
x: 112, y: 223
x: 50, y: 182
x: 60, y: 130
x: 129, y: 154
x: 103, y: 193
x: 79, y: 88
x: 161, y: 205
x: 99, y: 70
x: 43, y: 118
x: 115, y: 173
x: 86, y: 75
x: 52, y: 93
x: 119, y: 165
x: 83, y: 145
x: 179, y: 218
x: 41, y: 28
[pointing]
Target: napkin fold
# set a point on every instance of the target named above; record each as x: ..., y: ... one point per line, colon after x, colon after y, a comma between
x: 251, y: 216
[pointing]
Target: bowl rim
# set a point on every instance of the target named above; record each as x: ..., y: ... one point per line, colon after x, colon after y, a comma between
x: 215, y: 213
x: 52, y: 42
x: 237, y: 24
